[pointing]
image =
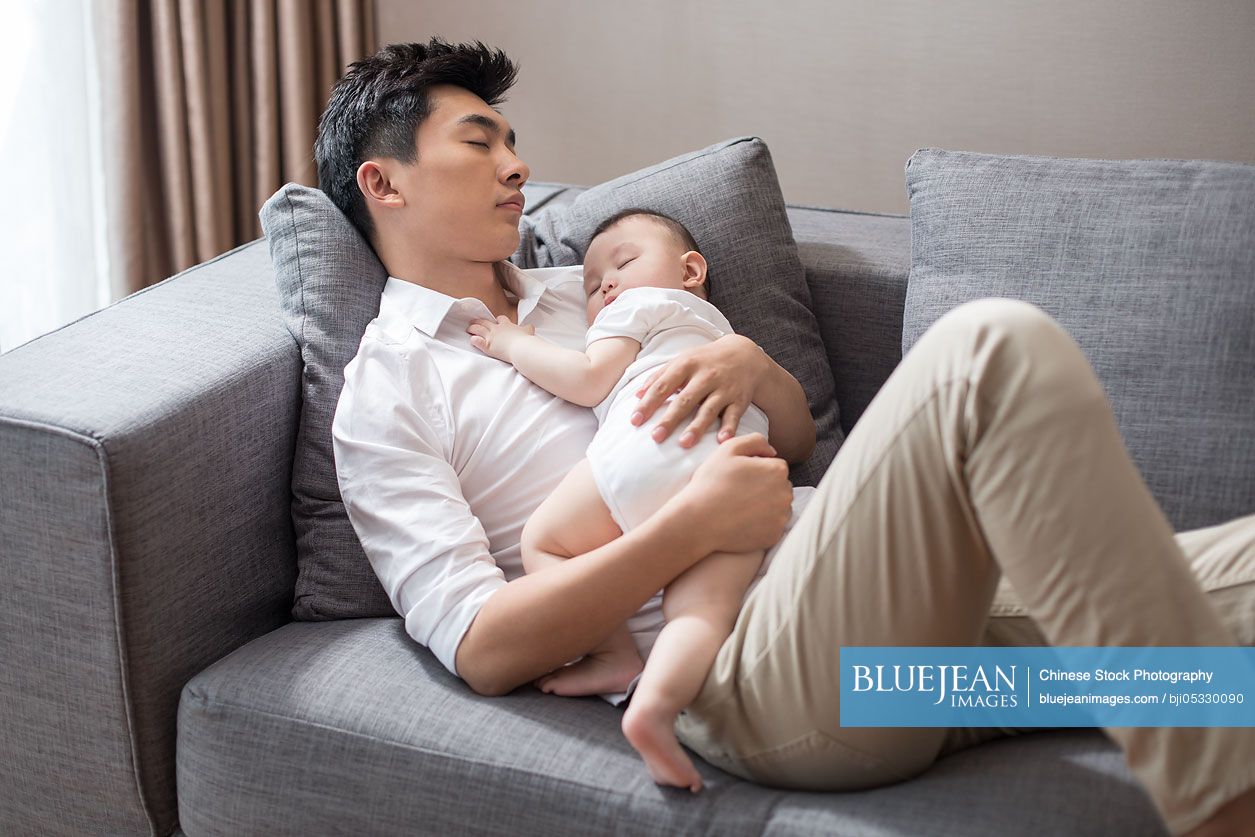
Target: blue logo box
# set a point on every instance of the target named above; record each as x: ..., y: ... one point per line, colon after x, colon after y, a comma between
x: 901, y: 686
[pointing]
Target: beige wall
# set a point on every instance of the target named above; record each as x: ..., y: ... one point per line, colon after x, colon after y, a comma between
x: 843, y: 92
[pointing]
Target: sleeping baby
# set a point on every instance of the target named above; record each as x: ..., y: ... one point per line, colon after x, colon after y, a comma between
x: 646, y: 284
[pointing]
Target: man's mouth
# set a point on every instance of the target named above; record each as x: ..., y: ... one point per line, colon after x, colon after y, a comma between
x: 517, y: 206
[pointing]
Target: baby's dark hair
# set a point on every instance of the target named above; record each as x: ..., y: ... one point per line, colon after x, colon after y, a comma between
x: 677, y: 230
x: 376, y: 108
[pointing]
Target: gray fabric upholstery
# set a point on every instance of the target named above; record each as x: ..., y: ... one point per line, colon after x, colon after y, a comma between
x: 1148, y: 264
x: 349, y: 728
x: 144, y: 533
x: 856, y: 266
x: 329, y: 282
x: 39, y: 463
x: 728, y: 197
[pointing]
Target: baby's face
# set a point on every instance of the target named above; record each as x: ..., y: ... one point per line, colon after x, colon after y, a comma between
x: 634, y: 253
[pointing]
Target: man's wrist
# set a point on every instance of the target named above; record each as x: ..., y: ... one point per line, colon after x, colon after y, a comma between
x: 749, y: 347
x: 674, y: 525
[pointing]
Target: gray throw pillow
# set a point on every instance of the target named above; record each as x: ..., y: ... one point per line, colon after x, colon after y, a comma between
x: 330, y: 280
x: 728, y: 197
x: 1148, y: 264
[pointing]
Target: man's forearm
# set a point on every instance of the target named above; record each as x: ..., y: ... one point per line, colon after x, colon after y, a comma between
x: 790, y: 425
x: 540, y: 621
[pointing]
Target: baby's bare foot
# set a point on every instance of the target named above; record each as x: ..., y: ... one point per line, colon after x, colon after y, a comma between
x: 650, y: 730
x: 595, y: 674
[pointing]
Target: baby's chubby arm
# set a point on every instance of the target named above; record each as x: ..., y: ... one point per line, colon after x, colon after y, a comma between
x: 583, y: 378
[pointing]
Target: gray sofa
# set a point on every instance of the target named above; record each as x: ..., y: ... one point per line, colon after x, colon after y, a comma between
x: 151, y: 679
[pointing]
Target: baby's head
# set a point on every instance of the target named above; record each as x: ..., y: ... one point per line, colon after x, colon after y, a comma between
x: 641, y: 248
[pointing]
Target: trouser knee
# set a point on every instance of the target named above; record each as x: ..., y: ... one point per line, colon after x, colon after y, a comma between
x: 1010, y: 345
x: 1023, y: 322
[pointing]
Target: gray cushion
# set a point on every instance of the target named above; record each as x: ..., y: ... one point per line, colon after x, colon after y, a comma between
x: 329, y: 282
x: 1148, y: 264
x: 350, y: 728
x: 730, y: 200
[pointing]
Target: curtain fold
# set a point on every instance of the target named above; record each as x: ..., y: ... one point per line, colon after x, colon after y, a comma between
x: 210, y: 107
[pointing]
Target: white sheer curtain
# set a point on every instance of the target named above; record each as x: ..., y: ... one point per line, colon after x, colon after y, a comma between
x: 53, y: 254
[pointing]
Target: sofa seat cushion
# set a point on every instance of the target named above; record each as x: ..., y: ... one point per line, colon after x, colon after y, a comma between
x: 349, y: 727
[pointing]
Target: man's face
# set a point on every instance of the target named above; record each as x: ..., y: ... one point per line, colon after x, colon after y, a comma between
x: 466, y: 170
x: 634, y: 253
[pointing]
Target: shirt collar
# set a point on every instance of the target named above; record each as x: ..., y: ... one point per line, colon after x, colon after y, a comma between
x: 427, y: 309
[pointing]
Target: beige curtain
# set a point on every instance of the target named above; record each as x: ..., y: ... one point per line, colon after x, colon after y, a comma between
x: 208, y: 107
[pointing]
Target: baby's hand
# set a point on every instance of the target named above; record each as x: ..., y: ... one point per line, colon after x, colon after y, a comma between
x: 496, y: 338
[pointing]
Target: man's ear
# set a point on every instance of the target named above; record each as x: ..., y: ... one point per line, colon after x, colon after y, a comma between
x: 375, y: 183
x: 694, y: 268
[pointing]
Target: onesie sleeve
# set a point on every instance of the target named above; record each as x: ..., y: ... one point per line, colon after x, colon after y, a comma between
x: 634, y: 313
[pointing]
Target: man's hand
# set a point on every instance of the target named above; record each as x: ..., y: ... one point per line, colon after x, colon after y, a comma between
x: 740, y: 497
x: 497, y: 338
x: 721, y: 376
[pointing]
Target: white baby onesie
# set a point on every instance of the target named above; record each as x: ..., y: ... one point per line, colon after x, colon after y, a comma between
x: 635, y: 474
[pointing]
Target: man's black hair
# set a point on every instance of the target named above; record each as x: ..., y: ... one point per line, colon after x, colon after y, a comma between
x: 376, y: 107
x: 678, y: 231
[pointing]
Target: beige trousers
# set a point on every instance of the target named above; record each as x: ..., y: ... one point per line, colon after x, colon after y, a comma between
x: 984, y: 498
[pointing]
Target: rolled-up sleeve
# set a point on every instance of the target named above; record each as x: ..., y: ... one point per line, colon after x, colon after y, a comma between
x: 404, y: 500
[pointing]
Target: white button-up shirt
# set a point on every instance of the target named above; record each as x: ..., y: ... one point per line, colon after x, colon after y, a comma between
x: 443, y: 452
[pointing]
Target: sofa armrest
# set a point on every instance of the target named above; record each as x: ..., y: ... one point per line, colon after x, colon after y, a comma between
x: 145, y: 458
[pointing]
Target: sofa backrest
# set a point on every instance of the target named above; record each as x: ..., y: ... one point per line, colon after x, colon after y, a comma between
x: 857, y: 266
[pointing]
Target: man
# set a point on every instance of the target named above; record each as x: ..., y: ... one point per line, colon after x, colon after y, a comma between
x: 442, y: 453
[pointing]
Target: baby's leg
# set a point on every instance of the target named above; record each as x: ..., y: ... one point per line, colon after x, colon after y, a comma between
x: 571, y: 521
x: 701, y: 607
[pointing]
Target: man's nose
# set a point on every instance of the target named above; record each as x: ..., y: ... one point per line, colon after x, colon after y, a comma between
x: 517, y: 171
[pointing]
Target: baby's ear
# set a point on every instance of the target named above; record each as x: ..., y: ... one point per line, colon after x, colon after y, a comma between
x: 694, y: 268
